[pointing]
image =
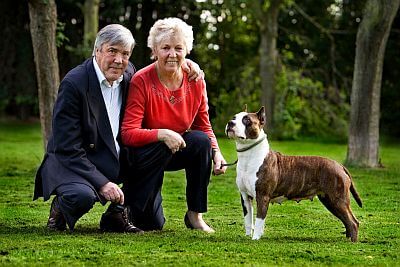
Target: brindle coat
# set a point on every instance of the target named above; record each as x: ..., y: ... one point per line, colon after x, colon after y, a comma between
x: 303, y: 177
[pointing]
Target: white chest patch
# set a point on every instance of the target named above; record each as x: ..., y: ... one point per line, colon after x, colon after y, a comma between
x: 248, y: 165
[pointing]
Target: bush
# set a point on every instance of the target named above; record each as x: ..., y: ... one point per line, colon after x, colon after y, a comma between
x: 228, y: 104
x: 306, y: 108
x: 303, y: 107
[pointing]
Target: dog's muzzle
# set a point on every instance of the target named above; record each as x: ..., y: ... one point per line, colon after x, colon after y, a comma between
x: 229, y: 128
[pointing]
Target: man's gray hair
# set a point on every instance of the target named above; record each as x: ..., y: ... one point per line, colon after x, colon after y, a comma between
x: 114, y: 34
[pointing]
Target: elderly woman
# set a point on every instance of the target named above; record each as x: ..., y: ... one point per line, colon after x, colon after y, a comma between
x: 167, y: 128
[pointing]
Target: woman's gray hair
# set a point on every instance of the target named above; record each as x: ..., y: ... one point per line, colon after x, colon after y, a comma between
x: 114, y: 34
x: 169, y: 27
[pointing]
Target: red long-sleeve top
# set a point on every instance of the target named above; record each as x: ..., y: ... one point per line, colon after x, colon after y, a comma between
x: 151, y: 106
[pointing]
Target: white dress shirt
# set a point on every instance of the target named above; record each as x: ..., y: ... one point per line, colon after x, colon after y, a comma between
x: 112, y: 98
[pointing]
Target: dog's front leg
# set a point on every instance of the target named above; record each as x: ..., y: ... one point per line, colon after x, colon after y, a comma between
x: 247, y: 206
x: 262, y: 208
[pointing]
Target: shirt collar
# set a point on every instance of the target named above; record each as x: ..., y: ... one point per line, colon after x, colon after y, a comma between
x: 100, y: 76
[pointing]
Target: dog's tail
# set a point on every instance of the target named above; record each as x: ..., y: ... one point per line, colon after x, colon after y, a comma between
x: 355, y: 195
x: 353, y: 189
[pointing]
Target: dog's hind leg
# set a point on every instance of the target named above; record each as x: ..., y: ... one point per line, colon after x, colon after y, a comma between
x: 348, y: 220
x: 247, y: 205
x: 341, y: 209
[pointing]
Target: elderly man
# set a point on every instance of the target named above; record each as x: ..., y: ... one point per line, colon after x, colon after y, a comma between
x: 84, y: 162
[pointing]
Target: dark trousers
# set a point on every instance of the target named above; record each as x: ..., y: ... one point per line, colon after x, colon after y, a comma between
x: 142, y: 186
x: 75, y: 200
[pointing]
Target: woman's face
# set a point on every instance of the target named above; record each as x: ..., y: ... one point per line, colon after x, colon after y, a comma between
x: 170, y: 53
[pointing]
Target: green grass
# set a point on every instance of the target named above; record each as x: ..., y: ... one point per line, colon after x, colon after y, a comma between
x: 297, y: 234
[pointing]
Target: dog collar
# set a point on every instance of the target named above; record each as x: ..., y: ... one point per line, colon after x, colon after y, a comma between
x: 251, y: 146
x: 242, y: 150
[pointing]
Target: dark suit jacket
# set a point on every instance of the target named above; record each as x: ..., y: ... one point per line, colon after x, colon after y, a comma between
x: 81, y: 148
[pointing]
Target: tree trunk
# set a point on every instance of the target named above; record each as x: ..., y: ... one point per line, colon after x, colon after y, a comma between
x: 43, y: 20
x: 91, y: 25
x: 267, y: 15
x: 372, y: 35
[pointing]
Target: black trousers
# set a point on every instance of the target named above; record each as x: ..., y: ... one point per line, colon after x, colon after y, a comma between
x: 75, y: 200
x: 147, y: 164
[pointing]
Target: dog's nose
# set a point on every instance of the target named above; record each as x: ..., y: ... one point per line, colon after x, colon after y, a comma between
x: 231, y: 124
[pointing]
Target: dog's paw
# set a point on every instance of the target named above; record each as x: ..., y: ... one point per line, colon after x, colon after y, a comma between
x: 258, y: 229
x: 249, y: 231
x: 258, y: 233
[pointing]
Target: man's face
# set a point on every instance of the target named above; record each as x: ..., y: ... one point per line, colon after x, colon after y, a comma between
x: 112, y: 60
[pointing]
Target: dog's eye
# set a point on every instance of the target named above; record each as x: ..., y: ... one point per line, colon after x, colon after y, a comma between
x: 246, y: 121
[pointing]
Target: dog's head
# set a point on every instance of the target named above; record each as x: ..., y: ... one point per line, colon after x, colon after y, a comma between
x: 246, y: 125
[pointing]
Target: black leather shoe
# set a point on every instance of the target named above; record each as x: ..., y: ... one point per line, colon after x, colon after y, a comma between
x: 116, y: 219
x: 56, y: 219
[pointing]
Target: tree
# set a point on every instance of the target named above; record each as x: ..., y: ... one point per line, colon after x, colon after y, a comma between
x: 43, y: 23
x: 267, y: 13
x: 372, y: 35
x: 90, y: 12
x: 91, y: 23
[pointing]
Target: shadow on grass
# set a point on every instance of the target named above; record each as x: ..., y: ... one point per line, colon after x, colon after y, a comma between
x: 43, y: 230
x: 307, y: 239
x: 182, y: 234
x: 240, y: 238
x: 79, y: 230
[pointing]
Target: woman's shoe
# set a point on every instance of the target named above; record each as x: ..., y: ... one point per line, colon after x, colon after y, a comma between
x: 189, y: 225
x: 187, y: 222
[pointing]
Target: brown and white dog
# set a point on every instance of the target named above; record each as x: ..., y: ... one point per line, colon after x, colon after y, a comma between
x: 271, y: 177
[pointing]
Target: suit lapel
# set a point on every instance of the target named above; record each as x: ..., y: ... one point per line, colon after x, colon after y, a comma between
x: 98, y: 108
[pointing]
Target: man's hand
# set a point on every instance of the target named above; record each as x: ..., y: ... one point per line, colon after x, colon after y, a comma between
x: 218, y: 161
x: 112, y: 192
x: 193, y: 70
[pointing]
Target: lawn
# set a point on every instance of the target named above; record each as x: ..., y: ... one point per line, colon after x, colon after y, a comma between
x: 297, y: 234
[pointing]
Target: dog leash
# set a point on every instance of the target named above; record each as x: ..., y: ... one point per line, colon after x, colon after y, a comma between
x: 242, y: 150
x: 228, y: 164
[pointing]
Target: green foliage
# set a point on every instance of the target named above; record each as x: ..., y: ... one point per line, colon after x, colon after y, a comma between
x: 4, y: 99
x: 296, y: 234
x: 27, y: 105
x: 228, y: 103
x: 305, y: 108
x: 231, y: 103
x: 80, y: 51
x: 61, y: 38
x: 226, y: 47
x: 25, y: 100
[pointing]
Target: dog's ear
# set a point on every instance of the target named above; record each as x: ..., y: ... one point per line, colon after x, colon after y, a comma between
x: 261, y: 115
x: 245, y: 108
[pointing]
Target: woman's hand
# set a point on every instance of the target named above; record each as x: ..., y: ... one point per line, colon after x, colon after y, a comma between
x: 172, y: 139
x: 193, y: 70
x: 218, y: 161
